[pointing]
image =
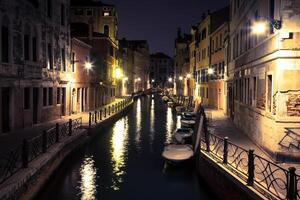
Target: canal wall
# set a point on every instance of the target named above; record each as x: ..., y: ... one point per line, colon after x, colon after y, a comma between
x: 222, y: 182
x: 26, y: 183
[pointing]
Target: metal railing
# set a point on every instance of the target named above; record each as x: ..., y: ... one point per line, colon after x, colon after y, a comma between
x: 100, y: 114
x: 30, y: 149
x: 266, y: 177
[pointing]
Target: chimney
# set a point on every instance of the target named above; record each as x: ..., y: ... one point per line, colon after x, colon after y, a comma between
x: 178, y: 32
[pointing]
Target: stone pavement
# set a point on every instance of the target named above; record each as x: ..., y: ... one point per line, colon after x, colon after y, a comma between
x: 9, y: 140
x: 222, y: 126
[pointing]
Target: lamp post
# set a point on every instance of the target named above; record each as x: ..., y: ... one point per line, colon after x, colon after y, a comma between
x: 261, y: 25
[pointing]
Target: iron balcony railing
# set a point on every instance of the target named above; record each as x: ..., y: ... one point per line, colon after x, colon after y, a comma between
x: 19, y: 157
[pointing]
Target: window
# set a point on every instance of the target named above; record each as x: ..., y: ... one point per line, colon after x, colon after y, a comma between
x: 62, y: 14
x: 5, y: 41
x: 44, y: 96
x: 26, y: 46
x: 106, y: 13
x: 63, y: 60
x: 49, y: 57
x: 34, y: 48
x: 49, y: 8
x: 50, y: 96
x: 26, y: 98
x: 73, y: 62
x: 106, y: 30
x: 89, y: 12
x: 203, y: 34
x: 270, y: 83
x: 58, y: 96
x: 78, y: 12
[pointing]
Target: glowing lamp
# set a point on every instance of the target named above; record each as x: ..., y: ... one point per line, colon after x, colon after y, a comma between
x: 180, y: 78
x: 259, y: 27
x: 119, y: 73
x: 210, y: 71
x: 188, y: 75
x: 170, y: 79
x: 88, y: 65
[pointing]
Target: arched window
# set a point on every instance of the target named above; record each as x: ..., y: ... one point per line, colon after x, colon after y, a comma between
x: 106, y: 30
x: 27, y: 33
x: 5, y: 43
x: 34, y: 43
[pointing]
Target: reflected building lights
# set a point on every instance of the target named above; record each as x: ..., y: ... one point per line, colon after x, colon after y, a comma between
x: 169, y: 125
x: 88, y: 175
x: 152, y: 118
x: 119, y: 143
x: 178, y: 122
x: 138, y: 123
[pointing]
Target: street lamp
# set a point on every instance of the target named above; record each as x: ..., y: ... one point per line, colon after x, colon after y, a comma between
x: 188, y: 75
x: 261, y: 26
x: 180, y: 78
x: 210, y: 71
x: 170, y: 80
x: 119, y: 73
x: 152, y: 80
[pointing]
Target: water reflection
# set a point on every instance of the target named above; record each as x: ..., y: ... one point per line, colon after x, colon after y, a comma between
x: 152, y: 118
x: 169, y: 125
x: 119, y: 142
x: 138, y: 123
x: 88, y: 175
x: 178, y: 122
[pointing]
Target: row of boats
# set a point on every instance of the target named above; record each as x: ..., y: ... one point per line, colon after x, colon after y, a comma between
x: 181, y: 148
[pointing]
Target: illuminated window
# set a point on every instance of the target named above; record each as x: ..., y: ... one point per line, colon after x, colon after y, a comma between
x: 106, y: 13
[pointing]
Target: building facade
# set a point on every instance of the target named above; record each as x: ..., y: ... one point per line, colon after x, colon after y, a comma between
x: 263, y: 69
x: 34, y: 64
x: 181, y: 58
x: 161, y: 70
x: 95, y: 23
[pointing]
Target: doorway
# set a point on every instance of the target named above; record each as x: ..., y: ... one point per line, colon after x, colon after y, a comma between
x: 63, y: 101
x: 5, y: 107
x: 35, y: 96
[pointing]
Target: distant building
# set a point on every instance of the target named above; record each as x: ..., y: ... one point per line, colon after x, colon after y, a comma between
x: 181, y: 58
x: 161, y: 70
x: 34, y: 62
x: 138, y: 63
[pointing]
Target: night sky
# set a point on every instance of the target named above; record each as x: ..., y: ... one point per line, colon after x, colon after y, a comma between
x: 157, y: 20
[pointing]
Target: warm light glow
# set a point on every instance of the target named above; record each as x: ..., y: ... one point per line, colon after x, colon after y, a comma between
x: 188, y: 75
x: 126, y: 78
x: 119, y: 73
x: 170, y: 80
x: 180, y: 78
x: 88, y: 65
x: 153, y: 80
x: 169, y: 125
x: 119, y: 142
x: 210, y: 71
x: 88, y: 173
x: 70, y: 78
x: 259, y: 27
x: 138, y: 123
x: 138, y: 79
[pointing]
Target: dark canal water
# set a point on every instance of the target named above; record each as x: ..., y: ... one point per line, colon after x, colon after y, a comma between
x: 124, y: 162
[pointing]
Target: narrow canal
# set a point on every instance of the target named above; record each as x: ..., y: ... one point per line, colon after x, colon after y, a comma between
x: 124, y: 162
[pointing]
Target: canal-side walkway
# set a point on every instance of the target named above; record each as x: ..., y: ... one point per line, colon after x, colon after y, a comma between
x: 9, y: 140
x: 222, y: 126
x: 44, y: 154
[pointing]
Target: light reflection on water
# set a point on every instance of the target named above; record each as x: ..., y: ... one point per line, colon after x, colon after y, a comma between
x: 88, y: 174
x: 178, y: 122
x: 138, y: 124
x: 152, y: 121
x: 119, y: 143
x: 169, y: 125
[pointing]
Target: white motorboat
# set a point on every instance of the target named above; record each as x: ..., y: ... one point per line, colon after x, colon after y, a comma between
x: 182, y: 152
x: 187, y: 122
x: 165, y: 98
x: 182, y: 134
x: 179, y: 109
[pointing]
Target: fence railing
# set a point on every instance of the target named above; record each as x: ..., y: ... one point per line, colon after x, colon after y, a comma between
x: 266, y: 177
x: 30, y: 149
x: 106, y: 111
